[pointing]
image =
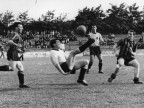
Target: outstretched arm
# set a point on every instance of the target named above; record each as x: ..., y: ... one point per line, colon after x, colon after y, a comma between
x: 60, y: 70
x: 117, y: 46
x: 101, y: 39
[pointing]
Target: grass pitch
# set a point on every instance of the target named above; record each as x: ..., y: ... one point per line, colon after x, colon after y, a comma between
x: 50, y: 89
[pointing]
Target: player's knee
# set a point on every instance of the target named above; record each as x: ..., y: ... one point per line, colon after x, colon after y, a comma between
x: 137, y: 65
x: 87, y: 62
x: 121, y: 63
x: 21, y: 68
x: 11, y: 69
x: 100, y: 60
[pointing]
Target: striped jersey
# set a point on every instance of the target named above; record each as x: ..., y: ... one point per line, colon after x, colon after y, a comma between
x: 125, y: 46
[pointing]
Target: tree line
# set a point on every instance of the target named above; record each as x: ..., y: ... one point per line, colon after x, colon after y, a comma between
x: 116, y: 19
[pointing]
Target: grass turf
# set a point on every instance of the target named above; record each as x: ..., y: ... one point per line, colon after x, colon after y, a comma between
x: 50, y: 89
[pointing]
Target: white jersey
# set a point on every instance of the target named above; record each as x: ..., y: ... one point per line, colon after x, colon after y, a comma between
x: 97, y: 37
x: 57, y: 56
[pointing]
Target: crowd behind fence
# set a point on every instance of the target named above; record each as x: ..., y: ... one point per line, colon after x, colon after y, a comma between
x: 38, y: 41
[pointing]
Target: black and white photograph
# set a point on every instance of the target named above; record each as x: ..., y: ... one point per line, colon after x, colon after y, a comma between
x: 71, y: 53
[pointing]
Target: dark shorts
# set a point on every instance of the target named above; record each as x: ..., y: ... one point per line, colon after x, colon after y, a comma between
x: 1, y: 48
x: 126, y: 60
x: 13, y: 55
x: 65, y: 67
x: 95, y: 50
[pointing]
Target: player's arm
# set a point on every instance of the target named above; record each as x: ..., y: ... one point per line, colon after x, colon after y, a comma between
x: 11, y: 42
x: 116, y: 47
x: 101, y: 39
x: 132, y: 52
x: 138, y: 43
x: 57, y: 65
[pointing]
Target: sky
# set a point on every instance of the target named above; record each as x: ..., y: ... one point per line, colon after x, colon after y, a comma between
x: 36, y: 8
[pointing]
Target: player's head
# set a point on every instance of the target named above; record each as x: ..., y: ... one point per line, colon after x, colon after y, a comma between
x: 55, y: 43
x: 130, y: 35
x: 18, y: 27
x: 63, y: 41
x: 93, y: 28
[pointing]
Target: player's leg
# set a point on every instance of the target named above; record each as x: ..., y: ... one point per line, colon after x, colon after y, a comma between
x: 99, y: 56
x: 21, y: 74
x: 71, y: 58
x: 90, y: 62
x: 120, y: 63
x: 21, y: 57
x: 84, y: 46
x: 134, y: 63
x: 7, y: 67
x: 83, y: 66
x: 12, y: 64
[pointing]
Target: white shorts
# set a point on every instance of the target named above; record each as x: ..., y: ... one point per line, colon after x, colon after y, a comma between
x: 16, y: 64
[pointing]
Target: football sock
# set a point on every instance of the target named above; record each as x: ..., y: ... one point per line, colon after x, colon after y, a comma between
x: 86, y: 45
x: 100, y: 66
x: 82, y: 74
x: 113, y: 76
x: 136, y: 80
x: 4, y: 68
x: 90, y: 64
x: 21, y: 78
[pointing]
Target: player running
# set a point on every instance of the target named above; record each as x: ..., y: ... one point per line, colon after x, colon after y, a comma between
x: 12, y: 54
x: 126, y: 56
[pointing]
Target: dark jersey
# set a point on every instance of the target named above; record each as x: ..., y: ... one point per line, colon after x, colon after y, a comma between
x: 12, y: 53
x: 125, y: 46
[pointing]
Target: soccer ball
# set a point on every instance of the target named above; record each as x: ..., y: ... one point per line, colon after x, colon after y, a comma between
x: 81, y: 30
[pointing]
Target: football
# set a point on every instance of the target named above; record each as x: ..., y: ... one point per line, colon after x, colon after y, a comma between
x: 81, y: 30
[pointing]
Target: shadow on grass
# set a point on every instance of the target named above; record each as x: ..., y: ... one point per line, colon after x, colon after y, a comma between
x: 11, y: 89
x: 69, y: 86
x: 111, y: 84
x: 60, y: 86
